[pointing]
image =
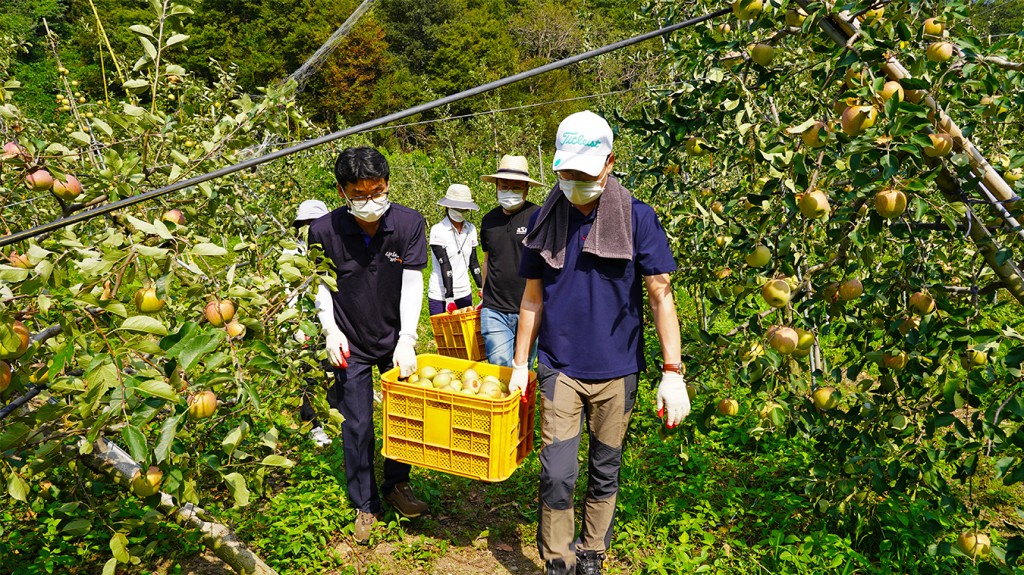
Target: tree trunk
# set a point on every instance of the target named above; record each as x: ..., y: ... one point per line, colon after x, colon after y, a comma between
x: 108, y: 458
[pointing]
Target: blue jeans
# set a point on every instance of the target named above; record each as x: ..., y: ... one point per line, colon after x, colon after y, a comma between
x: 499, y: 332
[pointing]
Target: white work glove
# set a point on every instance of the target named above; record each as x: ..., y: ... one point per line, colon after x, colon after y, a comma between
x: 520, y: 379
x: 449, y: 305
x: 673, y: 399
x: 300, y: 336
x: 405, y: 356
x: 337, y: 347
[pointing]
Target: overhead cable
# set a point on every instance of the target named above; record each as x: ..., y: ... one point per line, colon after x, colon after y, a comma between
x: 253, y: 162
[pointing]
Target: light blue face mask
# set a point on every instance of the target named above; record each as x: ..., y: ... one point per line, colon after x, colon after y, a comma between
x: 581, y: 193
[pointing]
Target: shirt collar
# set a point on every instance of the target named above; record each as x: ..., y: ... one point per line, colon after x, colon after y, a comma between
x: 577, y: 215
x: 447, y: 222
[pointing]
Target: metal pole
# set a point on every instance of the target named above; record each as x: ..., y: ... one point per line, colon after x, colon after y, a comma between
x: 540, y: 161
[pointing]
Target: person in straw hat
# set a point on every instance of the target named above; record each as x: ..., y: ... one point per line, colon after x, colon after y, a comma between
x: 501, y: 237
x: 453, y: 249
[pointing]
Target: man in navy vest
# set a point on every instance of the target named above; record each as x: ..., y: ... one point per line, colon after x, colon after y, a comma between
x: 378, y: 250
x: 591, y: 251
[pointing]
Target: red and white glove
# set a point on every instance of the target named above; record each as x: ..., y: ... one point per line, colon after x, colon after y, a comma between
x: 519, y: 380
x: 449, y: 305
x: 673, y: 400
x: 337, y: 347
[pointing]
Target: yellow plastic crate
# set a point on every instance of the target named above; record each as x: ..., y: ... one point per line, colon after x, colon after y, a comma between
x: 467, y: 435
x: 458, y: 334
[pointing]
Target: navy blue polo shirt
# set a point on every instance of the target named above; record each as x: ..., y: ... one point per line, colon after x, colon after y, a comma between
x: 366, y: 305
x: 592, y: 322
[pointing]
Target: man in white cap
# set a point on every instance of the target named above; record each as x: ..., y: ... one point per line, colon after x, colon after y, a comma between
x: 453, y: 249
x: 308, y: 211
x: 501, y: 237
x: 590, y: 251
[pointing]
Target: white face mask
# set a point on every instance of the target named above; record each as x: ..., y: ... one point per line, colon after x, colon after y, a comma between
x: 369, y: 210
x: 456, y: 216
x: 510, y: 199
x: 581, y: 193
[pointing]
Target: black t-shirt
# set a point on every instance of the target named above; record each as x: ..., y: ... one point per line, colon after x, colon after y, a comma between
x: 501, y: 238
x: 366, y: 305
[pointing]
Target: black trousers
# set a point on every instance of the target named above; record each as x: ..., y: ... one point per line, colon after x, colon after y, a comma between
x: 352, y: 395
x: 313, y: 385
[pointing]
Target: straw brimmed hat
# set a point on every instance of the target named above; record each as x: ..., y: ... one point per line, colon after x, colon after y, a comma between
x: 459, y: 197
x: 512, y: 168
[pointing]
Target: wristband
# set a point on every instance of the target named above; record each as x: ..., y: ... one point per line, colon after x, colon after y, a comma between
x: 673, y: 367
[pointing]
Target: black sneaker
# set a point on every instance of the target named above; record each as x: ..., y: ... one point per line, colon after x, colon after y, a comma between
x: 589, y: 562
x: 557, y: 567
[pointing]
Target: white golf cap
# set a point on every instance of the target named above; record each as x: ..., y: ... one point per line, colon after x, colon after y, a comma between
x: 310, y: 210
x: 583, y: 142
x: 459, y: 197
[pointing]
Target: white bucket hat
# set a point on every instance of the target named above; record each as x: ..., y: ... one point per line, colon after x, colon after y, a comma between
x: 512, y: 168
x: 583, y: 143
x: 459, y: 197
x: 310, y: 210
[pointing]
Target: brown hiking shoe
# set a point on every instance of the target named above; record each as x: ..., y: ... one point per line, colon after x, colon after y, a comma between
x: 363, y: 526
x: 405, y: 501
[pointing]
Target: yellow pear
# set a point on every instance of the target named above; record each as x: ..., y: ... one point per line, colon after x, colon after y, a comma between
x: 939, y: 51
x: 814, y: 205
x: 890, y: 203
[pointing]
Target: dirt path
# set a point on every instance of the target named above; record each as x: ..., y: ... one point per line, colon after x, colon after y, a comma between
x: 484, y: 556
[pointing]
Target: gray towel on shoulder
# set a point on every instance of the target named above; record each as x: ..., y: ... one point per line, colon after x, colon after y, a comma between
x: 611, y: 236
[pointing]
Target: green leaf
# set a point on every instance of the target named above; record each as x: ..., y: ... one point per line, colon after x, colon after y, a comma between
x: 145, y: 324
x: 208, y: 250
x: 110, y: 567
x: 81, y: 137
x: 135, y: 86
x: 176, y: 39
x: 136, y: 443
x: 270, y: 438
x: 143, y: 30
x: 119, y: 547
x: 17, y: 487
x: 234, y: 437
x: 168, y: 430
x: 15, y: 434
x: 152, y: 251
x: 277, y: 461
x: 103, y: 126
x: 143, y: 226
x: 77, y: 527
x: 133, y: 111
x: 148, y: 47
x: 238, y: 489
x: 336, y: 417
x: 194, y: 345
x: 159, y: 388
